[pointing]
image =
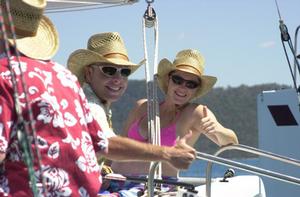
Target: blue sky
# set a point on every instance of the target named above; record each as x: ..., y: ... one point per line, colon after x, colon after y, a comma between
x: 239, y: 39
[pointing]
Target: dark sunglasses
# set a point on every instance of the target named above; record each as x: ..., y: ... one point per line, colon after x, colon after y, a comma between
x: 190, y: 84
x: 111, y: 71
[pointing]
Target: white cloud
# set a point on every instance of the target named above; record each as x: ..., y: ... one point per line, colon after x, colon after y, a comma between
x: 268, y: 44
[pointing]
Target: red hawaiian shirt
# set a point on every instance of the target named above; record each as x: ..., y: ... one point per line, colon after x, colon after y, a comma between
x: 67, y: 134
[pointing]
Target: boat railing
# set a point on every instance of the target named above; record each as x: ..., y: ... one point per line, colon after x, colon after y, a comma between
x: 238, y: 165
x: 246, y: 167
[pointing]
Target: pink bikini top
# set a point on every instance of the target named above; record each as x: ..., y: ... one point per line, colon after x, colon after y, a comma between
x: 167, y: 134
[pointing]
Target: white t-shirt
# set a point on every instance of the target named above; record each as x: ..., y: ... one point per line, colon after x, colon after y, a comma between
x: 98, y: 110
x: 99, y: 114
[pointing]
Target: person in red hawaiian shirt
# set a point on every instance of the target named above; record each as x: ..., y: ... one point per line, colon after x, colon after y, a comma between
x: 43, y: 101
x: 67, y: 136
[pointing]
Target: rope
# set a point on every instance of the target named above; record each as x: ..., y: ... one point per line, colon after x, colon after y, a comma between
x: 150, y: 20
x: 27, y: 153
x: 152, y: 97
x: 23, y: 137
x: 155, y: 97
x: 289, y: 64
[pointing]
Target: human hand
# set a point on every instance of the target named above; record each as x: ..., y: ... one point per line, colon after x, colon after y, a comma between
x: 207, y: 123
x: 182, y: 155
x: 215, y: 131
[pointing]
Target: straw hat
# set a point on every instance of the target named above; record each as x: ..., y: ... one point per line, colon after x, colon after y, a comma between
x: 36, y: 36
x: 190, y: 61
x: 105, y: 48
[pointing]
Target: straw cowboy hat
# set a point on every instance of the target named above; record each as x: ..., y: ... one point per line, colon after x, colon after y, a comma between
x: 101, y: 48
x: 36, y: 36
x: 190, y: 61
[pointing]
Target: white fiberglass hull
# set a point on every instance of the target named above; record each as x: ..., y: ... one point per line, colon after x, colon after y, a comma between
x: 238, y: 186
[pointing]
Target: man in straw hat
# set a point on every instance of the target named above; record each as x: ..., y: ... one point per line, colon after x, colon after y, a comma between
x: 181, y: 81
x: 44, y: 119
x: 103, y: 70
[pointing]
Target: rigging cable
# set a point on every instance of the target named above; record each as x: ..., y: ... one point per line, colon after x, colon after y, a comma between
x: 285, y: 37
x: 295, y: 47
x: 23, y: 128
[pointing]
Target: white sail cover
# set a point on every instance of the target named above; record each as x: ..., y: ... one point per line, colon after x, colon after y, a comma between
x: 73, y: 5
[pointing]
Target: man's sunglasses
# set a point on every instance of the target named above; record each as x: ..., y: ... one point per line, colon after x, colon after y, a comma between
x: 190, y: 84
x: 111, y: 71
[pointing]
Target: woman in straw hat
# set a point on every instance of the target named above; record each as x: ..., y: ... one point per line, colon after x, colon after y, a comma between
x: 181, y: 81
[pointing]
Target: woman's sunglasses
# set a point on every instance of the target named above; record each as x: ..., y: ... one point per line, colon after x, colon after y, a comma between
x: 111, y: 71
x: 190, y: 84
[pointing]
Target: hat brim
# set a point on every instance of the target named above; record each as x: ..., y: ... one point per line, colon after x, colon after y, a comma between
x: 165, y: 67
x: 83, y: 57
x: 43, y: 45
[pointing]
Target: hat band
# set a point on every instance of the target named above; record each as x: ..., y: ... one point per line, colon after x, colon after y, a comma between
x: 188, y: 67
x: 24, y: 32
x: 116, y: 56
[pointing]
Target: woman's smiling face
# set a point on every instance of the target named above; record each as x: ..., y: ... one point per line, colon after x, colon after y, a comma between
x: 182, y: 86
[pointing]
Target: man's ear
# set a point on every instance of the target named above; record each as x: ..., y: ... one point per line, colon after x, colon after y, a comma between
x: 88, y: 71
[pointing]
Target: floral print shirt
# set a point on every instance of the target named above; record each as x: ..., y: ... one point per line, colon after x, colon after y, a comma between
x: 67, y: 135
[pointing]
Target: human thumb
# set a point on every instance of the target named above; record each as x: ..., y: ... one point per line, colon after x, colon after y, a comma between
x: 204, y: 111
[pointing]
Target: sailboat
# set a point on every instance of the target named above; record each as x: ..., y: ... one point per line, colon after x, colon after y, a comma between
x: 278, y: 116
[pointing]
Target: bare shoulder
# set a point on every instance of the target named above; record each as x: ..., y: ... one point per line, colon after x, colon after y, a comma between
x: 138, y: 110
x: 188, y: 117
x: 193, y: 109
x: 140, y: 106
x: 141, y: 102
x: 188, y: 114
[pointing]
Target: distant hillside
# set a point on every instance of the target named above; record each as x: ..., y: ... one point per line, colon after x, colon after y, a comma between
x: 235, y: 108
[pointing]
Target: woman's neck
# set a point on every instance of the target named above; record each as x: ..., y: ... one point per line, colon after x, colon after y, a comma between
x: 169, y: 109
x: 168, y: 105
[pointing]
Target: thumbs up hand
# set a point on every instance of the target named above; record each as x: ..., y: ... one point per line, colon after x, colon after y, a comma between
x: 208, y: 122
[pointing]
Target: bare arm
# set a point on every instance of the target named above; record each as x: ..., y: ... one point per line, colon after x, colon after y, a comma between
x: 180, y: 156
x: 210, y: 127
